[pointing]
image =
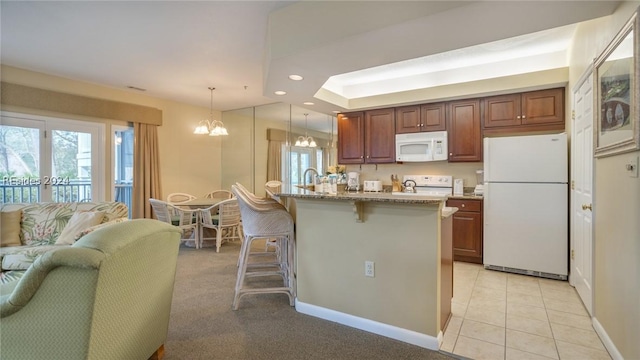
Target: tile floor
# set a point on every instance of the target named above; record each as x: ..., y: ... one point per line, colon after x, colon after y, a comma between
x: 506, y: 316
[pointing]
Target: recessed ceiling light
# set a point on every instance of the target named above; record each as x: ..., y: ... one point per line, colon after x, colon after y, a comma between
x: 295, y: 77
x: 308, y: 103
x: 280, y: 92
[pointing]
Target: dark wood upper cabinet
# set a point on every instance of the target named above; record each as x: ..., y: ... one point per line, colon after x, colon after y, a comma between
x: 351, y: 138
x: 543, y: 107
x: 380, y: 139
x: 433, y: 117
x: 531, y: 111
x: 408, y: 119
x: 427, y: 117
x: 464, y: 131
x: 502, y: 111
x: 367, y: 137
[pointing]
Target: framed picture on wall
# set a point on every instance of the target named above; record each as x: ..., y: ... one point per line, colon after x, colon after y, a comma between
x: 617, y: 72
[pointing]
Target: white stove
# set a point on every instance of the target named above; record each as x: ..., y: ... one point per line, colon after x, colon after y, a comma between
x: 430, y: 185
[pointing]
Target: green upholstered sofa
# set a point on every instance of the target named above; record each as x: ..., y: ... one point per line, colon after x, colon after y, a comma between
x: 107, y: 296
x: 39, y: 226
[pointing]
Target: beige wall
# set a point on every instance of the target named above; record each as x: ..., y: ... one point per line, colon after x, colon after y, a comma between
x: 332, y: 249
x: 188, y: 163
x: 616, y: 210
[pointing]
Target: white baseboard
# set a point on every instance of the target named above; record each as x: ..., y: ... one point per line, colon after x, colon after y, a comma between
x: 390, y: 331
x: 606, y: 340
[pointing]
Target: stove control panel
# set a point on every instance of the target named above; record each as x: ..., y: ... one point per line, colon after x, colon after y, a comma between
x: 440, y: 181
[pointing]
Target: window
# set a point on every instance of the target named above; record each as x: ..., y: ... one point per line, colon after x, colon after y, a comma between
x: 50, y: 159
x: 303, y: 158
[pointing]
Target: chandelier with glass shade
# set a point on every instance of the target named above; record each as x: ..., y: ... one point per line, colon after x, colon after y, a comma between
x: 211, y: 126
x: 305, y: 141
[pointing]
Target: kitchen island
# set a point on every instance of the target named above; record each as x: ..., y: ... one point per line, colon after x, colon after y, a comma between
x: 406, y: 239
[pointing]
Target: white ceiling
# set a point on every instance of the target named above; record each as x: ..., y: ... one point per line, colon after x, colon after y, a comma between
x: 246, y: 49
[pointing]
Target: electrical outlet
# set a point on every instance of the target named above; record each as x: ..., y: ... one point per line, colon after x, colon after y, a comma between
x: 369, y: 269
x: 632, y: 166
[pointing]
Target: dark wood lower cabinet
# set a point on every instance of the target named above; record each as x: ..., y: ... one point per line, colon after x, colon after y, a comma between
x: 467, y: 230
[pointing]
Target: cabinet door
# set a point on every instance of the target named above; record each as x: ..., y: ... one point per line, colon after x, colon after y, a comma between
x: 543, y: 107
x: 351, y: 138
x: 502, y: 111
x: 408, y: 119
x: 432, y: 117
x: 380, y: 138
x: 464, y: 130
x: 467, y: 236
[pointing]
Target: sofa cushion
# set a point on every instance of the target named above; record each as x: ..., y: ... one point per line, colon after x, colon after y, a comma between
x: 79, y: 221
x: 42, y: 223
x: 10, y: 233
x: 21, y: 257
x: 99, y: 226
x: 9, y: 277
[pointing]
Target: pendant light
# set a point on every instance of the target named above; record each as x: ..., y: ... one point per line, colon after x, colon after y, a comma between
x: 211, y: 126
x: 305, y: 141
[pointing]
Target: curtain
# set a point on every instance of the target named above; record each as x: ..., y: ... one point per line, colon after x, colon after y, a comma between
x: 146, y: 165
x: 274, y: 161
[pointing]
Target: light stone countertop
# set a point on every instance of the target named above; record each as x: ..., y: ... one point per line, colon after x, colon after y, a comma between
x: 295, y: 192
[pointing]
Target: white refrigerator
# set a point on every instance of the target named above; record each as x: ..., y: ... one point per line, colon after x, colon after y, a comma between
x: 526, y: 205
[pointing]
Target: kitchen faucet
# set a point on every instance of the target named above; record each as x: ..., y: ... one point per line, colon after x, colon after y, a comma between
x: 304, y: 176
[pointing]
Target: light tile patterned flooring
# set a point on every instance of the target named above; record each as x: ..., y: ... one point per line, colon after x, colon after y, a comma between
x: 506, y: 316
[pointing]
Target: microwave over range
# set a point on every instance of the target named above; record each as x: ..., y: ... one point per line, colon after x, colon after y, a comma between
x: 422, y: 146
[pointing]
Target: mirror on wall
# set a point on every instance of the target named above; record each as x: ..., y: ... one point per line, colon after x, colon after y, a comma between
x: 263, y: 145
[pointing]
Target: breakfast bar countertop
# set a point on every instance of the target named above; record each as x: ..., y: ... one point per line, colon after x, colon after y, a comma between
x: 300, y: 193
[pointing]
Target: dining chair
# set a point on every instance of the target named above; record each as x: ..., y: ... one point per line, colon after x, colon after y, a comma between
x: 264, y: 219
x: 219, y: 194
x: 179, y: 198
x: 185, y: 219
x: 271, y: 187
x: 226, y: 222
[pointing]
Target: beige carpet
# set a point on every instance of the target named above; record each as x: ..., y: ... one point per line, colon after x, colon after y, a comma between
x: 203, y: 326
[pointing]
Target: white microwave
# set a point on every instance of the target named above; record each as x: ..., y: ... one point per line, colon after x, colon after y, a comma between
x: 422, y: 146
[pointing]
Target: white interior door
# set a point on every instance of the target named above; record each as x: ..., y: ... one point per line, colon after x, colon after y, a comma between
x: 582, y: 193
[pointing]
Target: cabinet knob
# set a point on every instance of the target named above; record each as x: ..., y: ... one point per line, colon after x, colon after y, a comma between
x: 524, y: 116
x: 462, y: 205
x: 361, y: 157
x: 585, y: 207
x: 450, y: 154
x: 518, y: 117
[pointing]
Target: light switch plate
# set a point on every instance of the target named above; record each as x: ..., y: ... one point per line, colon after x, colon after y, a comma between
x: 632, y: 166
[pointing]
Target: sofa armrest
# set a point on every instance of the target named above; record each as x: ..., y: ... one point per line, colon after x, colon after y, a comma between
x: 28, y: 285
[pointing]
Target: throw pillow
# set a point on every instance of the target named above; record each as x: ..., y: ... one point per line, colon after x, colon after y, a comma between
x: 10, y: 233
x: 99, y: 226
x: 80, y: 221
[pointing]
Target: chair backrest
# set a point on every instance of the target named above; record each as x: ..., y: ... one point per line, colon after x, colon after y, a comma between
x: 272, y: 187
x: 165, y: 212
x: 262, y: 218
x: 179, y: 198
x: 161, y: 210
x: 219, y: 194
x: 253, y: 197
x: 229, y: 213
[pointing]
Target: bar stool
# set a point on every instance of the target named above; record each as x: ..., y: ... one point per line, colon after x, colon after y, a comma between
x: 264, y: 219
